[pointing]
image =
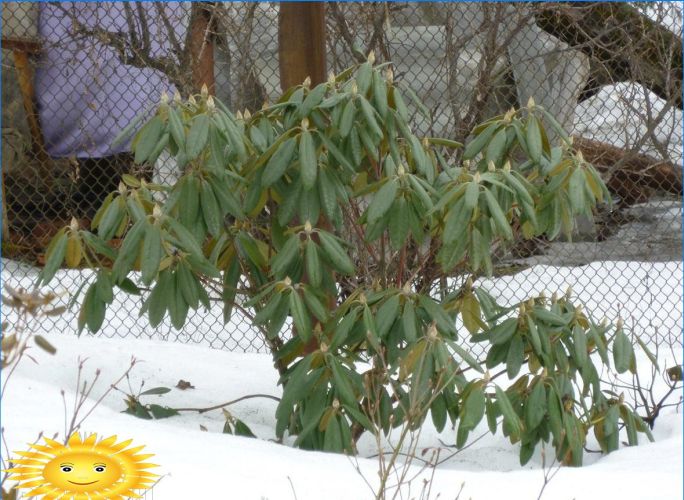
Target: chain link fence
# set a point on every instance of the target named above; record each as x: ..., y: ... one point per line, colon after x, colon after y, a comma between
x: 74, y: 74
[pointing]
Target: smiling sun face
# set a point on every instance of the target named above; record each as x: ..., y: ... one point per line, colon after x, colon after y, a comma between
x: 83, y: 469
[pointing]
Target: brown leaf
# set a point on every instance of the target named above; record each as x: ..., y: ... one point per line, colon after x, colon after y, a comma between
x: 184, y: 384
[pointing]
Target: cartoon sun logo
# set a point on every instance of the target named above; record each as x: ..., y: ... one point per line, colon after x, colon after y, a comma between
x: 83, y: 469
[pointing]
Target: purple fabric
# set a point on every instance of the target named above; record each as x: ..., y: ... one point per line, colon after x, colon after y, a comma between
x: 85, y: 95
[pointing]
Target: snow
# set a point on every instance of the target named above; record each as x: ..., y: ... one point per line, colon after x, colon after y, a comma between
x: 198, y: 464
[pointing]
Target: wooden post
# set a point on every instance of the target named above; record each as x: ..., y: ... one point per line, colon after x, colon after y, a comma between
x: 201, y: 46
x: 301, y: 53
x: 301, y: 43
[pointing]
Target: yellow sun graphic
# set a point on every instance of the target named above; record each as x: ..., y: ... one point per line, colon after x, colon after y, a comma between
x: 83, y: 469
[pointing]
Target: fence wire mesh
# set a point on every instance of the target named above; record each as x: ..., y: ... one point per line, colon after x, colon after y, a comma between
x: 74, y: 74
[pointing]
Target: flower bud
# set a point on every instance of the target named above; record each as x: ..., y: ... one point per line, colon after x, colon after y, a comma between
x: 490, y: 166
x: 476, y: 178
x: 210, y: 103
x: 156, y: 211
x: 371, y: 57
x: 247, y: 115
x: 507, y: 166
x: 307, y: 227
x: 238, y: 115
x: 331, y: 78
x: 389, y: 75
x: 177, y: 97
x: 530, y: 102
x: 324, y: 347
x: 305, y: 123
x: 164, y: 97
x: 307, y: 82
x: 191, y: 100
x: 354, y: 88
x: 74, y: 224
x: 287, y: 281
x: 400, y: 170
x: 204, y: 91
x: 122, y: 187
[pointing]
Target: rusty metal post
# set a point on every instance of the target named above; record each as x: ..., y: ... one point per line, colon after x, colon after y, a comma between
x: 201, y: 46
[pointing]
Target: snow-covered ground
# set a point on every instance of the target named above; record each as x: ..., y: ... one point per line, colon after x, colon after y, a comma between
x: 208, y: 464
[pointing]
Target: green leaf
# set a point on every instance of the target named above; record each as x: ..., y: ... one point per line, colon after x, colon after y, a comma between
x: 580, y: 344
x: 347, y: 118
x: 151, y: 253
x: 314, y: 271
x: 534, y: 138
x: 312, y: 100
x: 308, y: 160
x: 210, y: 209
x: 503, y: 332
x: 515, y: 357
x: 155, y: 391
x: 147, y: 138
x: 623, y: 353
x: 499, y: 218
x: 159, y: 412
x: 382, y: 200
x: 473, y: 408
x: 535, y: 406
x: 510, y: 417
x: 128, y: 252
x: 278, y: 162
x: 399, y: 223
x: 300, y: 316
x: 54, y: 256
x: 343, y: 385
x: 176, y: 128
x: 94, y: 309
x: 333, y: 250
x: 409, y: 322
x: 387, y: 315
x: 282, y: 260
x: 479, y: 142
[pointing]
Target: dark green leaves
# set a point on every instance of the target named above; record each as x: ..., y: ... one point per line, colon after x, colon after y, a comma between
x: 308, y: 160
x: 278, y: 162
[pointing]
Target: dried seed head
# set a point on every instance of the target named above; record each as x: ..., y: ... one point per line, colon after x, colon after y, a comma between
x: 307, y: 82
x: 371, y: 57
x: 74, y: 224
x: 204, y: 91
x: 490, y: 166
